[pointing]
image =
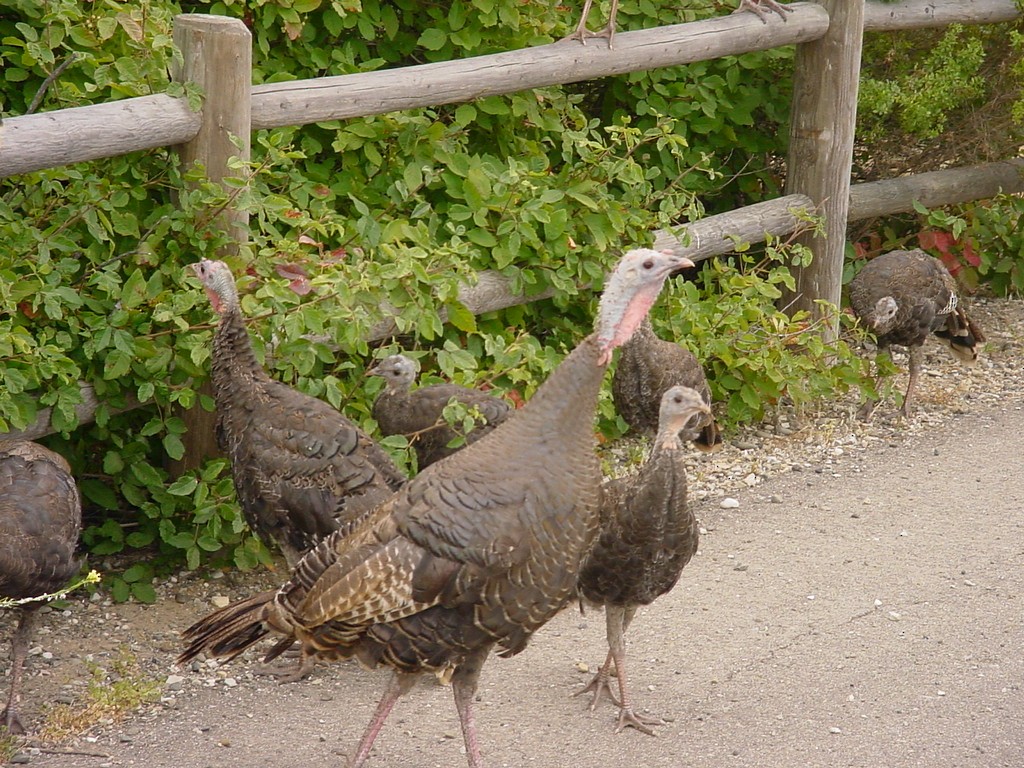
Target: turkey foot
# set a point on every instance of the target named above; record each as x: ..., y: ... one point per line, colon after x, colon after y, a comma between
x: 583, y: 34
x: 630, y: 719
x: 757, y: 7
x: 865, y: 411
x: 9, y: 718
x: 600, y: 686
x: 298, y: 667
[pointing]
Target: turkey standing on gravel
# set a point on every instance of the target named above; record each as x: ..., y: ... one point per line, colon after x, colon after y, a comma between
x: 902, y: 296
x: 479, y: 550
x: 648, y: 535
x: 419, y: 414
x: 40, y: 518
x: 300, y: 468
x: 647, y: 367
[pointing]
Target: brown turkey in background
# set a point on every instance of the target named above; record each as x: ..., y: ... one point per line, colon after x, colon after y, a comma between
x: 647, y: 368
x: 418, y: 414
x: 903, y: 297
x: 300, y: 467
x: 40, y: 519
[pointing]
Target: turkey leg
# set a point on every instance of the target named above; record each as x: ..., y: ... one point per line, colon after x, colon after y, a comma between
x: 19, y: 648
x: 608, y: 31
x: 401, y: 683
x: 916, y: 355
x: 619, y: 619
x: 464, y: 683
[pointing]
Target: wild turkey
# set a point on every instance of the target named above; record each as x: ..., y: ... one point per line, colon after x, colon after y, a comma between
x: 40, y: 518
x: 902, y: 296
x: 478, y: 550
x: 648, y: 535
x: 581, y: 33
x: 418, y: 414
x: 647, y: 367
x: 300, y: 467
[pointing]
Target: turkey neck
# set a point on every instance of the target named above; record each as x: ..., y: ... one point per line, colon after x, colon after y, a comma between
x: 234, y: 361
x: 644, y: 334
x: 568, y: 397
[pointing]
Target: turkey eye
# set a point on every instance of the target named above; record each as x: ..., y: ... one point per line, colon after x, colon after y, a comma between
x: 648, y: 264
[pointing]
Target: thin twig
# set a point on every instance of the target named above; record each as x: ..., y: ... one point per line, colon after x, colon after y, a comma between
x: 38, y: 98
x: 65, y: 751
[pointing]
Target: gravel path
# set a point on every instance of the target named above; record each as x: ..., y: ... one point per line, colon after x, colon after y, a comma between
x: 857, y: 605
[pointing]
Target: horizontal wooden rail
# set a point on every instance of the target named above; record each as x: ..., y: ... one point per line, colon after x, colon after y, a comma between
x: 936, y: 188
x: 922, y: 14
x: 66, y: 136
x: 63, y: 137
x: 450, y: 82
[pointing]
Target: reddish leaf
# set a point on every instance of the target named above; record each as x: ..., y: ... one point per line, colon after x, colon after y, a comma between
x: 307, y: 240
x: 970, y: 255
x: 291, y: 271
x: 301, y: 286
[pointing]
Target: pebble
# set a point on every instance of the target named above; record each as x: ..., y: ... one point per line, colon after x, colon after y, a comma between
x: 833, y: 729
x: 729, y: 503
x: 174, y: 682
x: 19, y: 758
x: 220, y: 601
x: 230, y: 682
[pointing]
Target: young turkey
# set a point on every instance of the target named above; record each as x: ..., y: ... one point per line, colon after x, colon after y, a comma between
x: 40, y: 518
x: 648, y: 535
x: 300, y: 468
x: 759, y: 8
x: 400, y: 410
x: 903, y: 296
x: 647, y: 368
x: 477, y: 551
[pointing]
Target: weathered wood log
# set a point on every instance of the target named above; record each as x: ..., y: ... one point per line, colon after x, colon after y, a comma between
x: 450, y: 82
x: 922, y: 14
x: 824, y: 116
x: 52, y: 139
x: 216, y: 55
x: 936, y: 188
x: 719, y: 234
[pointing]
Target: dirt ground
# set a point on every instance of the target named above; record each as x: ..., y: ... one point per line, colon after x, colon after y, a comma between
x: 864, y: 611
x: 869, y: 615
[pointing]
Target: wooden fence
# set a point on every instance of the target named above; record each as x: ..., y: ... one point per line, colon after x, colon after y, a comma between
x: 216, y: 54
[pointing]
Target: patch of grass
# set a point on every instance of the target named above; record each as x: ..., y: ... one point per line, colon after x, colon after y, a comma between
x: 9, y: 744
x: 112, y: 694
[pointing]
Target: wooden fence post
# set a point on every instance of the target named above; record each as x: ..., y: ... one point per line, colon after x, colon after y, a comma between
x: 821, y: 147
x: 217, y: 56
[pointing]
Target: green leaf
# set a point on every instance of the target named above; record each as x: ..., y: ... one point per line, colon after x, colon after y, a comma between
x: 137, y: 572
x: 433, y: 39
x: 143, y: 592
x: 461, y: 317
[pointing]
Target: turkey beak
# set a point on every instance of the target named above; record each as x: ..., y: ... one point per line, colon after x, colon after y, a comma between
x: 374, y: 371
x: 681, y: 264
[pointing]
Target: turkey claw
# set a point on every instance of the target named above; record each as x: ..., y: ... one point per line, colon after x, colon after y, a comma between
x: 600, y: 687
x: 630, y: 719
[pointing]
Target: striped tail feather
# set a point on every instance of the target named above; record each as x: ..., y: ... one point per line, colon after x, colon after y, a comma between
x: 228, y: 631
